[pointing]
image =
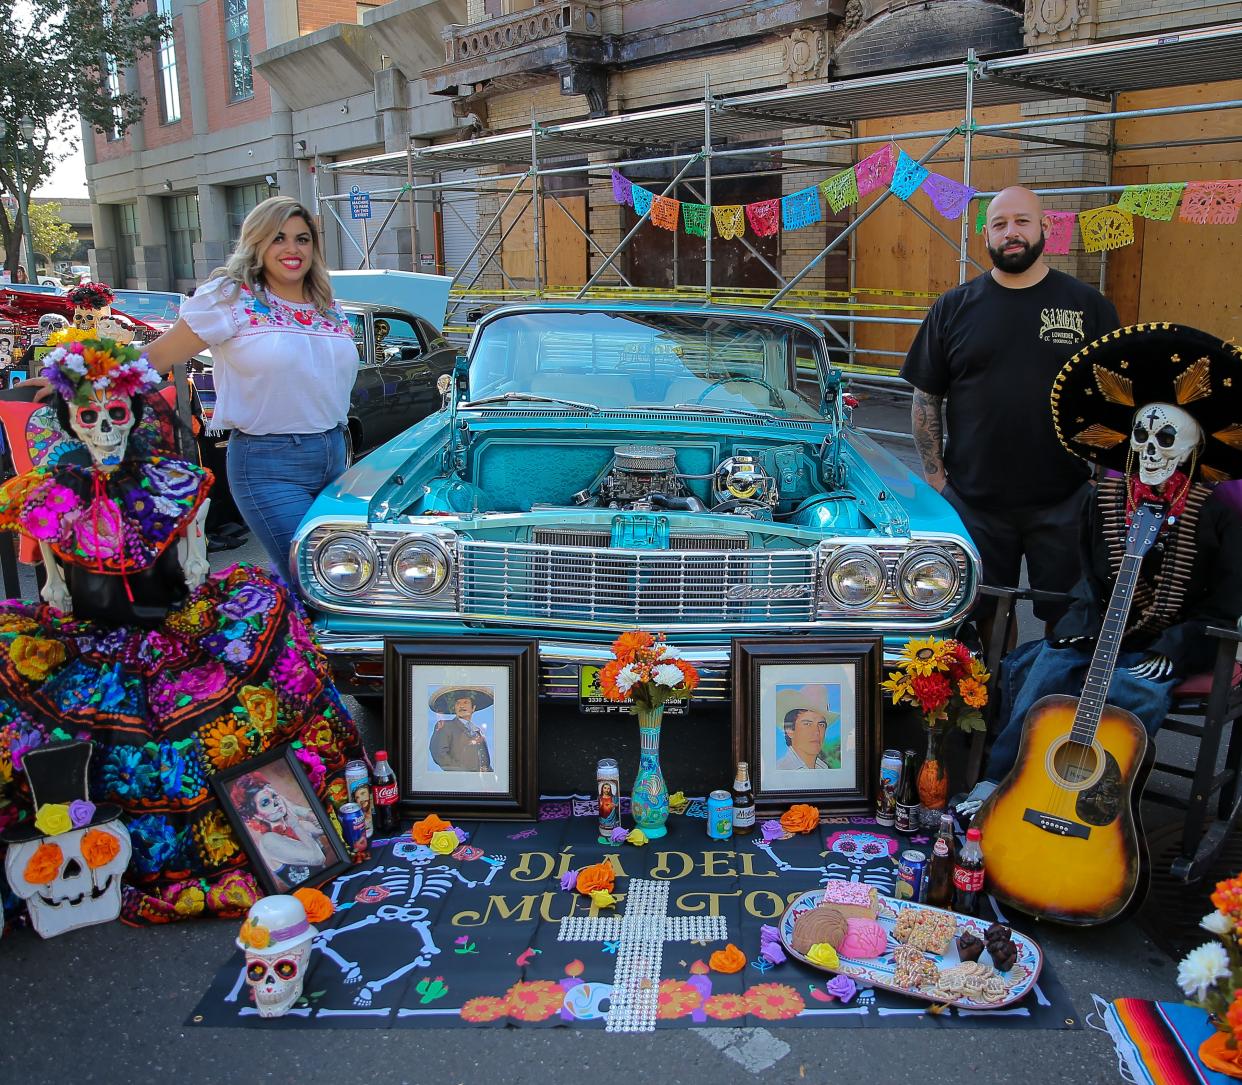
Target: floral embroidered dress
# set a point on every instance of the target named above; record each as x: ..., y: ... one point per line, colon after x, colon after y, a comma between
x: 172, y: 686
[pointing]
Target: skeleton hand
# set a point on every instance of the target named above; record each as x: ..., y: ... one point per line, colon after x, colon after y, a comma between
x: 1154, y: 668
x: 495, y: 860
x: 55, y: 592
x: 194, y: 563
x: 354, y: 975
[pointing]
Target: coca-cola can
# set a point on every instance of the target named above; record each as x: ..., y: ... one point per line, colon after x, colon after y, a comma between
x: 353, y: 829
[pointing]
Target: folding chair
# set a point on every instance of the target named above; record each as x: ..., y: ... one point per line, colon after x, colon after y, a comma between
x: 1204, y: 705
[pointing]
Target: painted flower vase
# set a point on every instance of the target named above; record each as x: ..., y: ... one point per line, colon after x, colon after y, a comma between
x: 933, y: 779
x: 649, y: 799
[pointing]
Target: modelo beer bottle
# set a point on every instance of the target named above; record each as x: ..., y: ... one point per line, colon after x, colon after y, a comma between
x: 743, y: 801
x: 384, y: 795
x: 968, y: 874
x: 907, y: 813
x: 940, y: 865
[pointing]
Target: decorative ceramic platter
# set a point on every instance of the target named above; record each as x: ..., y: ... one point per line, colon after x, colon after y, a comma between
x: 879, y: 971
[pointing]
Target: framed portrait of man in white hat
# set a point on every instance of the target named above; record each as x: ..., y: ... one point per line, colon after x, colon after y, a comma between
x: 806, y: 717
x: 460, y: 716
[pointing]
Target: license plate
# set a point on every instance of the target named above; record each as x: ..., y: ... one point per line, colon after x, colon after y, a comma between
x: 591, y: 699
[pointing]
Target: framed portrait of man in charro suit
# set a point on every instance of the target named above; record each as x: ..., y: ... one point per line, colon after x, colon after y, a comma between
x: 460, y: 717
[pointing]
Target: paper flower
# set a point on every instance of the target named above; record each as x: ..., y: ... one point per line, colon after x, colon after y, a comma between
x: 618, y: 835
x: 444, y: 842
x: 1202, y: 968
x: 601, y: 898
x: 773, y: 830
x: 597, y: 876
x: 768, y: 933
x: 569, y: 881
x: 823, y: 954
x: 843, y: 988
x: 318, y: 906
x: 462, y: 835
x: 80, y: 812
x: 99, y: 848
x: 255, y: 935
x: 677, y: 802
x: 636, y: 837
x: 53, y: 819
x: 422, y: 831
x: 773, y: 953
x: 1215, y: 923
x: 728, y: 960
x: 800, y: 819
x: 43, y: 865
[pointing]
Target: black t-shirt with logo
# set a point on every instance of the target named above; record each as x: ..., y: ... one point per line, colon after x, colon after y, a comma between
x: 993, y: 353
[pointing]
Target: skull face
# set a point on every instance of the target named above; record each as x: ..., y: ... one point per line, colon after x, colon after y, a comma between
x: 276, y: 978
x: 51, y: 322
x: 86, y: 319
x: 1162, y: 439
x: 103, y: 424
x: 70, y: 880
x: 116, y: 328
x: 861, y: 848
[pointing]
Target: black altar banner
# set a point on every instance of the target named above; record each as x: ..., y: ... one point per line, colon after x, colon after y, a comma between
x: 470, y: 939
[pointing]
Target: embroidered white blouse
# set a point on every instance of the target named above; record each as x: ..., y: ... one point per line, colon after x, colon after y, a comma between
x: 279, y: 366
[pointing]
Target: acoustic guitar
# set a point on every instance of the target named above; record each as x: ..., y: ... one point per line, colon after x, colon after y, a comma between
x: 1062, y: 833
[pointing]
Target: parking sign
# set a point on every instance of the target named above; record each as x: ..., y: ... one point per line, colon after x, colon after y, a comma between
x: 359, y: 203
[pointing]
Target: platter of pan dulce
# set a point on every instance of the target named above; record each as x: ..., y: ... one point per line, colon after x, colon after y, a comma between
x: 910, y: 948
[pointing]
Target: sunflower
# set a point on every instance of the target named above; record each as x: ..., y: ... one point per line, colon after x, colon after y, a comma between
x: 483, y: 1009
x: 925, y: 656
x: 226, y: 742
x: 725, y: 1007
x: 774, y: 1001
x: 536, y: 1000
x: 898, y: 686
x: 676, y: 999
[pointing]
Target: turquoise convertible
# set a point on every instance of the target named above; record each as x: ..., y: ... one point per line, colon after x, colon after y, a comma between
x: 598, y: 468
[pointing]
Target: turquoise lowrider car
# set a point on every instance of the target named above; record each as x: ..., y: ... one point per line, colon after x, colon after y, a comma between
x: 602, y: 468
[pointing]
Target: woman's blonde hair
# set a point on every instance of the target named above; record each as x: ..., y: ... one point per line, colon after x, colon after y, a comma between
x: 261, y: 226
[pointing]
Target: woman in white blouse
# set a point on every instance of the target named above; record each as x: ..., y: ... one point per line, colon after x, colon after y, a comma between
x: 285, y: 363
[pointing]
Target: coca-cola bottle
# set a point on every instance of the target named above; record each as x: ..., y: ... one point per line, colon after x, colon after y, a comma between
x: 384, y: 794
x: 968, y: 874
x: 940, y: 865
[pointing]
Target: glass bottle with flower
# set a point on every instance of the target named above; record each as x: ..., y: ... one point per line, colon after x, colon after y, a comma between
x: 647, y: 672
x: 944, y: 680
x: 1211, y: 977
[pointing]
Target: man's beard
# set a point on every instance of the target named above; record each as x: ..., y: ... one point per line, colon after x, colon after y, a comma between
x: 1017, y: 262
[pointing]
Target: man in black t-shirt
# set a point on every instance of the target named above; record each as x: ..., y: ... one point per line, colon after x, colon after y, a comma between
x: 988, y: 352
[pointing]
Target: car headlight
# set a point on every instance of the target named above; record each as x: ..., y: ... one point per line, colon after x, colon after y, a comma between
x: 419, y: 567
x: 927, y: 579
x: 855, y: 578
x: 346, y: 563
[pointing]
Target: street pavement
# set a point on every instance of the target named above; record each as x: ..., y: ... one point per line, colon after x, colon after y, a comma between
x: 111, y: 1004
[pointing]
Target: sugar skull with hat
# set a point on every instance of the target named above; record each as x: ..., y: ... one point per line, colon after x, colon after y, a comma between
x: 67, y: 862
x: 276, y: 939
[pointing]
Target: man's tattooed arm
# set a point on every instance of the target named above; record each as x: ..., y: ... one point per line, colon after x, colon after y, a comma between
x: 928, y: 430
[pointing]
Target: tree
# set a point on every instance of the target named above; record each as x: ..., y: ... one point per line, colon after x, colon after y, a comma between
x: 52, y: 234
x: 55, y: 59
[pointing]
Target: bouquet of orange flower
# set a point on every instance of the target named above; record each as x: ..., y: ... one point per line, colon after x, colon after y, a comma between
x: 647, y: 670
x: 943, y: 680
x: 1211, y: 975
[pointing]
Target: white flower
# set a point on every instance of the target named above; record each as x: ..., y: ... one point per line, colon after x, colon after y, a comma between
x: 1216, y: 923
x: 75, y: 363
x: 668, y: 675
x: 670, y: 652
x: 1201, y: 968
x: 626, y: 677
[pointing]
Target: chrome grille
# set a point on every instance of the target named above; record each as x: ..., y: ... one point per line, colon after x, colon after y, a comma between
x: 622, y: 588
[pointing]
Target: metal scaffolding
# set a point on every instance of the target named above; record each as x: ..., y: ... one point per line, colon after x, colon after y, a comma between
x: 720, y: 134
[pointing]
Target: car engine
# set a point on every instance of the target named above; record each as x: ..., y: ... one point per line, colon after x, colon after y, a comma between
x: 642, y: 478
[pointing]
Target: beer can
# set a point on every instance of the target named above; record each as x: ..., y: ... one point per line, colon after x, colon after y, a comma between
x: 911, y: 876
x: 886, y: 798
x: 353, y: 829
x: 608, y: 791
x: 720, y: 815
x: 358, y: 779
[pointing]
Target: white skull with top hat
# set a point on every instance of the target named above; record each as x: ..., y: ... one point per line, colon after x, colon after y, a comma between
x: 276, y: 939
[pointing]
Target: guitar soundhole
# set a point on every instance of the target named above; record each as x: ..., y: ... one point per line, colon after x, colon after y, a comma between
x: 1074, y: 764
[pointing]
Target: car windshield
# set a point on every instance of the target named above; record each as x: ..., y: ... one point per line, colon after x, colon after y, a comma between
x: 650, y: 359
x: 148, y: 306
x: 31, y: 288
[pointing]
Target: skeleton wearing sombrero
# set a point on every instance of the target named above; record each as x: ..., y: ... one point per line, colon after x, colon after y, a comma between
x: 457, y: 743
x: 1159, y: 407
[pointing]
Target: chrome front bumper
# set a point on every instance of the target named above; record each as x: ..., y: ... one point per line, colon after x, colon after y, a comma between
x: 359, y: 665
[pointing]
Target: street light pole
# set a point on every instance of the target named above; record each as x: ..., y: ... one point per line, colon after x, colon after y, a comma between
x: 26, y: 129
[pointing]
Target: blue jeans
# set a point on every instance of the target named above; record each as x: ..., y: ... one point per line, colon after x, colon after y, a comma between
x: 275, y: 478
x: 1037, y: 669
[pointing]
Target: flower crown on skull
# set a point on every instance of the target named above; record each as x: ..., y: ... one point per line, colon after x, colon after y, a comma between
x: 82, y: 368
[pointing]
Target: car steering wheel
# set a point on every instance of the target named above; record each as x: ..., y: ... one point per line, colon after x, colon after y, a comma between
x: 774, y: 394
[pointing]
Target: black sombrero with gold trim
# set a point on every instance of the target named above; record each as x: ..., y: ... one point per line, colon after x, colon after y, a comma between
x: 1095, y: 395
